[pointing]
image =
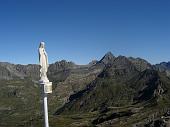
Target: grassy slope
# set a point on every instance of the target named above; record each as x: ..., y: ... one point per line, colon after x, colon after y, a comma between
x: 112, y: 100
x: 20, y: 105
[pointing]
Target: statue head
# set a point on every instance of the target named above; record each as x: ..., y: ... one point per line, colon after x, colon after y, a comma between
x: 42, y: 45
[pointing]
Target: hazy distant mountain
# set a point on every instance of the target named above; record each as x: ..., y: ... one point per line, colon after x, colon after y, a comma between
x: 12, y: 71
x: 163, y: 67
x: 113, y: 91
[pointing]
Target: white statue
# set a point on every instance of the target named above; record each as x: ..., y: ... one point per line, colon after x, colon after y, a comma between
x: 43, y: 59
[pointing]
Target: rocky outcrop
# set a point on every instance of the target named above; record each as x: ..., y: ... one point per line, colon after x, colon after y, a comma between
x: 107, y: 58
x: 163, y: 66
x: 12, y: 71
x: 140, y: 64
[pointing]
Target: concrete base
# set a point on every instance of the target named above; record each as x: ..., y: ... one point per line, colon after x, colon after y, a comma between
x: 47, y: 87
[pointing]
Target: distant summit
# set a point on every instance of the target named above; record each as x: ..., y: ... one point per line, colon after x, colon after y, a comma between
x: 107, y: 58
x: 163, y: 66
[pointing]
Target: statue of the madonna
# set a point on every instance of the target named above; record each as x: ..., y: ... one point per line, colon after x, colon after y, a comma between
x: 43, y: 59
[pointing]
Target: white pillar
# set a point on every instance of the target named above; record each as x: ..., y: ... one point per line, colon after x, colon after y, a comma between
x: 45, y: 109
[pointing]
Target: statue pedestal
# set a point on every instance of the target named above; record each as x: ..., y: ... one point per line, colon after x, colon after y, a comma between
x: 47, y: 86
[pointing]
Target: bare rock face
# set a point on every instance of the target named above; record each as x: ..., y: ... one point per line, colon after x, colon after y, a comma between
x: 149, y: 84
x: 31, y: 71
x: 159, y: 91
x: 163, y: 66
x: 12, y: 71
x: 140, y: 64
x: 5, y: 73
x: 107, y: 58
x: 120, y: 67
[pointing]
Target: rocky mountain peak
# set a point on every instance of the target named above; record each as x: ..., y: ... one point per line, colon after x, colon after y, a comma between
x: 93, y: 62
x: 120, y: 68
x: 107, y: 58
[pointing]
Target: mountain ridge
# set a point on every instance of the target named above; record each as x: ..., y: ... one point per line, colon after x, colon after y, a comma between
x: 104, y: 90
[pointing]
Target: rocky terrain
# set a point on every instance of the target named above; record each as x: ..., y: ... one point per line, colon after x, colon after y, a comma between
x: 114, y: 91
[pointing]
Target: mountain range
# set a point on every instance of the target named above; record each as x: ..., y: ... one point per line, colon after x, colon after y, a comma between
x: 114, y: 91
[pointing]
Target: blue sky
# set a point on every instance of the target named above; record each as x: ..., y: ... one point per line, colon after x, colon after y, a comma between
x: 83, y: 30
